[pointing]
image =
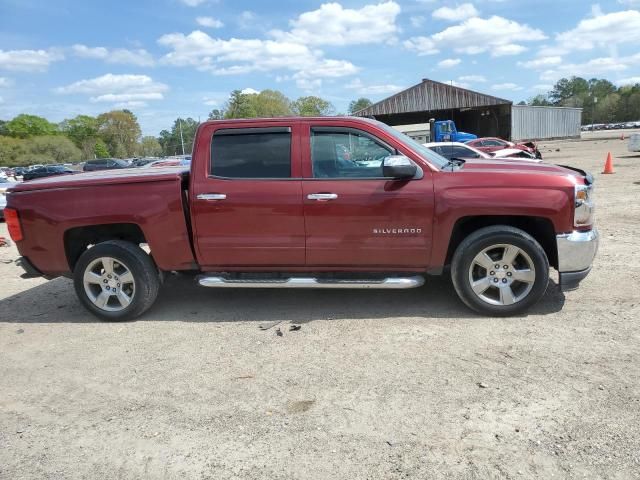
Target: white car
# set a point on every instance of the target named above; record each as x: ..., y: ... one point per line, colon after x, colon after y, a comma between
x: 451, y: 150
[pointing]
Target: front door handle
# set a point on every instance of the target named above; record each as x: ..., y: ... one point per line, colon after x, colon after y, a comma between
x: 322, y: 196
x: 211, y: 197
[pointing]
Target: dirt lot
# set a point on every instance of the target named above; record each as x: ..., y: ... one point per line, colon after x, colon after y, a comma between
x: 377, y: 385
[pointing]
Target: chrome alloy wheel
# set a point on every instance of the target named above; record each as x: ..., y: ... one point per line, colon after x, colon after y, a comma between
x: 502, y: 274
x: 109, y: 284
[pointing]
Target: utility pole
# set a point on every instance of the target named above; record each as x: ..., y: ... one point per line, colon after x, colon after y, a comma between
x: 593, y: 113
x: 181, y: 138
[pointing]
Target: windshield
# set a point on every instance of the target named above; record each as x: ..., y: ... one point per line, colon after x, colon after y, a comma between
x: 429, y: 155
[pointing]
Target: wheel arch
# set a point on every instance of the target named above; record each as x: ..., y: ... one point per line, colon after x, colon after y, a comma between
x: 540, y: 228
x: 78, y: 239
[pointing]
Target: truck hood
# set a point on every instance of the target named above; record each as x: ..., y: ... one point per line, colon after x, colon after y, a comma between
x: 103, y: 177
x: 517, y: 166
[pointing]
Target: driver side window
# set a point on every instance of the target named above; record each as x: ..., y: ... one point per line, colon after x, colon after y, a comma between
x: 346, y: 154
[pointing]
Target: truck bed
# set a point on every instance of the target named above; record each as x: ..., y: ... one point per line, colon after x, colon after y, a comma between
x: 151, y: 199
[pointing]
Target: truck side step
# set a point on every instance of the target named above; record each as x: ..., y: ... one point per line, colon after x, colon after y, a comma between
x: 311, y: 282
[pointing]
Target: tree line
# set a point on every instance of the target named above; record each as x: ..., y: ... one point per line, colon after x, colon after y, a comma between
x: 31, y: 139
x: 600, y: 99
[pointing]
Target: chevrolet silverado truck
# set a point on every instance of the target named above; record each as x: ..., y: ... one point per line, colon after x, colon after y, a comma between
x: 309, y: 203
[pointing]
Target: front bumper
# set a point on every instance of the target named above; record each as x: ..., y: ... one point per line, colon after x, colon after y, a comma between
x: 576, y: 251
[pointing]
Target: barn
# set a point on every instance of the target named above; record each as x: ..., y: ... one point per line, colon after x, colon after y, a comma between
x: 474, y: 112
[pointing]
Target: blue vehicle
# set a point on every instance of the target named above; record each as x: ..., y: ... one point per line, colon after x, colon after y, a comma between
x: 446, y: 131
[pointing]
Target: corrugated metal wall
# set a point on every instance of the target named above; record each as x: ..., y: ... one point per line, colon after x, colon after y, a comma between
x: 535, y: 123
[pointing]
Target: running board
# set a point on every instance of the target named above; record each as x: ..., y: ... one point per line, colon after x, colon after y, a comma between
x: 310, y: 282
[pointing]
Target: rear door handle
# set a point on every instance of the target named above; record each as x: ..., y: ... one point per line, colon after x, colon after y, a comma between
x: 211, y: 197
x: 322, y: 196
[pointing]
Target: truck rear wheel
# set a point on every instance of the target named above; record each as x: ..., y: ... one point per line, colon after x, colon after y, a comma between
x: 116, y: 280
x: 500, y: 270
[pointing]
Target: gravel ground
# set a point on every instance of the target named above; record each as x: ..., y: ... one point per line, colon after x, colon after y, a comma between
x: 375, y: 385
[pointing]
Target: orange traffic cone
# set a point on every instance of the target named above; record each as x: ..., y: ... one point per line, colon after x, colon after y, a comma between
x: 622, y: 136
x: 608, y: 165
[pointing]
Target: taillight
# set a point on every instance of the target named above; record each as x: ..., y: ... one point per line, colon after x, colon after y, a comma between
x: 13, y: 224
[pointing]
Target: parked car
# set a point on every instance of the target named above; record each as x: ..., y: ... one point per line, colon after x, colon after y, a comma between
x: 4, y: 185
x: 169, y: 162
x: 492, y: 144
x: 141, y: 162
x: 47, y: 171
x: 451, y: 150
x: 302, y: 219
x: 104, y: 164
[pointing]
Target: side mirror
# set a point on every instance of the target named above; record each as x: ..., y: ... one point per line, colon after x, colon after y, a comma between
x: 398, y: 166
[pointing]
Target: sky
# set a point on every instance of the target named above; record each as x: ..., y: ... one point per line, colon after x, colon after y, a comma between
x: 167, y: 58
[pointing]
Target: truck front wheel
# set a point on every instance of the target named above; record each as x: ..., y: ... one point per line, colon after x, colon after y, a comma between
x: 116, y: 280
x: 500, y: 270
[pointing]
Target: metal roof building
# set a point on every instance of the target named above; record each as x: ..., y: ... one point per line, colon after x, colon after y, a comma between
x: 473, y: 112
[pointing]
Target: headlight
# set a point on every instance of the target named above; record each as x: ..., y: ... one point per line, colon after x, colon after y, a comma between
x: 584, y: 206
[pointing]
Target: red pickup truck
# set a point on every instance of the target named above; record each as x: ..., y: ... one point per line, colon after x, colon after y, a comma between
x: 309, y: 203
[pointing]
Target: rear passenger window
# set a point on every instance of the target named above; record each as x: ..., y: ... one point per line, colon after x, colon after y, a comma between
x: 251, y: 153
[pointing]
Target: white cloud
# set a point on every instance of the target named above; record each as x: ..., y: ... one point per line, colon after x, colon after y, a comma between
x: 602, y: 31
x: 455, y: 14
x: 628, y: 81
x: 421, y: 45
x: 28, y: 60
x: 417, y: 21
x: 455, y: 83
x: 5, y: 82
x: 543, y: 87
x: 591, y: 68
x: 449, y: 62
x: 239, y: 56
x: 193, y: 3
x: 542, y: 62
x: 381, y: 89
x: 209, y: 22
x: 496, y: 35
x: 249, y: 91
x: 140, y: 57
x: 117, y: 88
x: 332, y: 24
x: 506, y: 86
x: 246, y: 19
x: 472, y: 78
x: 630, y: 3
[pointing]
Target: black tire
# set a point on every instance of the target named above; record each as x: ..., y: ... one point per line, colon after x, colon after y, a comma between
x: 141, y: 266
x: 485, y: 238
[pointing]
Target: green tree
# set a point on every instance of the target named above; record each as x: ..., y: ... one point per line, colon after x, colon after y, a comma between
x: 569, y: 92
x: 272, y: 103
x: 24, y: 126
x: 83, y: 131
x: 311, y: 107
x: 120, y: 130
x: 241, y: 105
x: 10, y: 150
x: 216, y: 114
x: 52, y: 149
x: 540, y: 100
x: 359, y: 104
x: 267, y: 103
x: 172, y: 142
x: 100, y: 149
x: 149, y: 147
